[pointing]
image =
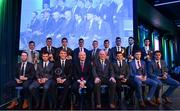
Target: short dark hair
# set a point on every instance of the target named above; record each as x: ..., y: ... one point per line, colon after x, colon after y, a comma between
x: 81, y: 39
x: 49, y: 38
x: 45, y: 52
x: 95, y: 41
x: 31, y: 42
x: 118, y: 38
x: 64, y: 38
x: 136, y: 51
x: 119, y: 52
x: 131, y: 38
x: 63, y: 50
x: 106, y: 40
x: 157, y: 51
x: 146, y: 39
x: 24, y: 53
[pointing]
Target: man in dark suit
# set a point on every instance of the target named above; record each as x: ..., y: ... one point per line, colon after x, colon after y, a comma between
x: 107, y: 49
x: 147, y: 51
x: 49, y: 48
x: 83, y: 76
x: 158, y: 71
x: 34, y: 25
x: 131, y: 49
x: 64, y: 42
x: 103, y: 74
x: 139, y: 73
x: 117, y: 48
x: 24, y: 76
x: 63, y: 72
x: 44, y: 77
x: 95, y: 51
x: 80, y: 49
x: 121, y: 71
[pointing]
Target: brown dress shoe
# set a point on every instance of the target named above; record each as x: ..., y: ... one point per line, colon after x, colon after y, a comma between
x: 142, y: 104
x: 151, y: 103
x: 158, y: 101
x: 25, y: 104
x: 98, y: 106
x: 13, y: 104
x: 166, y: 100
x: 112, y: 106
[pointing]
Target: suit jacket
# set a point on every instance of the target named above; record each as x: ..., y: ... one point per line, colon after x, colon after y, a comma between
x: 29, y: 71
x: 108, y: 53
x: 85, y: 73
x: 53, y: 51
x: 134, y: 71
x: 69, y: 52
x: 135, y: 47
x: 114, y: 51
x: 153, y: 70
x: 76, y: 54
x: 96, y: 55
x: 44, y: 72
x: 124, y: 70
x: 98, y: 71
x: 35, y: 24
x: 151, y: 50
x: 64, y: 73
x: 31, y: 56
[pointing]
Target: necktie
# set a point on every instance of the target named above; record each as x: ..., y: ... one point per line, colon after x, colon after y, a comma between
x: 82, y: 66
x: 32, y: 55
x: 130, y: 50
x: 139, y: 65
x: 81, y: 49
x: 63, y: 64
x: 102, y: 63
x: 158, y: 65
x: 120, y: 63
x: 118, y: 48
x: 22, y: 69
x: 45, y: 65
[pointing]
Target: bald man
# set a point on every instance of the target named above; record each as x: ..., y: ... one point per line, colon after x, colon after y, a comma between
x: 103, y: 74
x: 82, y: 75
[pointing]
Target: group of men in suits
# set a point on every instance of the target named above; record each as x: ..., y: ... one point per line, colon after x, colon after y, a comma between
x: 84, y: 69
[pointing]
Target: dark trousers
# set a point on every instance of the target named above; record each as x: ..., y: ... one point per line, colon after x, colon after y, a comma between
x: 131, y: 85
x: 34, y: 89
x: 63, y: 95
x: 25, y: 91
x: 111, y: 86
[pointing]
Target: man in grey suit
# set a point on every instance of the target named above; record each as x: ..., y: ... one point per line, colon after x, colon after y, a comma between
x: 43, y: 78
x: 32, y: 53
x: 121, y: 71
x: 95, y: 51
x: 158, y: 71
x: 103, y: 74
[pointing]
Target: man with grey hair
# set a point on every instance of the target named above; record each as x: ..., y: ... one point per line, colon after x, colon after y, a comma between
x: 103, y: 75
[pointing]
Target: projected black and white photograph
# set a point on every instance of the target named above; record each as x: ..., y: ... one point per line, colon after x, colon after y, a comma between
x: 74, y: 19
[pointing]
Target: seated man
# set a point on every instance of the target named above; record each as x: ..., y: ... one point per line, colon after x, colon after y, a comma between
x: 138, y: 72
x: 121, y: 71
x: 24, y: 77
x: 158, y: 71
x: 103, y: 74
x: 63, y: 70
x: 43, y: 78
x: 82, y: 76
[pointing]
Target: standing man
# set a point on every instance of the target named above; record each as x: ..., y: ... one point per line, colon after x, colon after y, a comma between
x: 117, y: 48
x: 147, y: 51
x: 131, y: 49
x: 103, y: 74
x: 49, y: 48
x: 95, y: 51
x: 107, y: 48
x: 33, y: 55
